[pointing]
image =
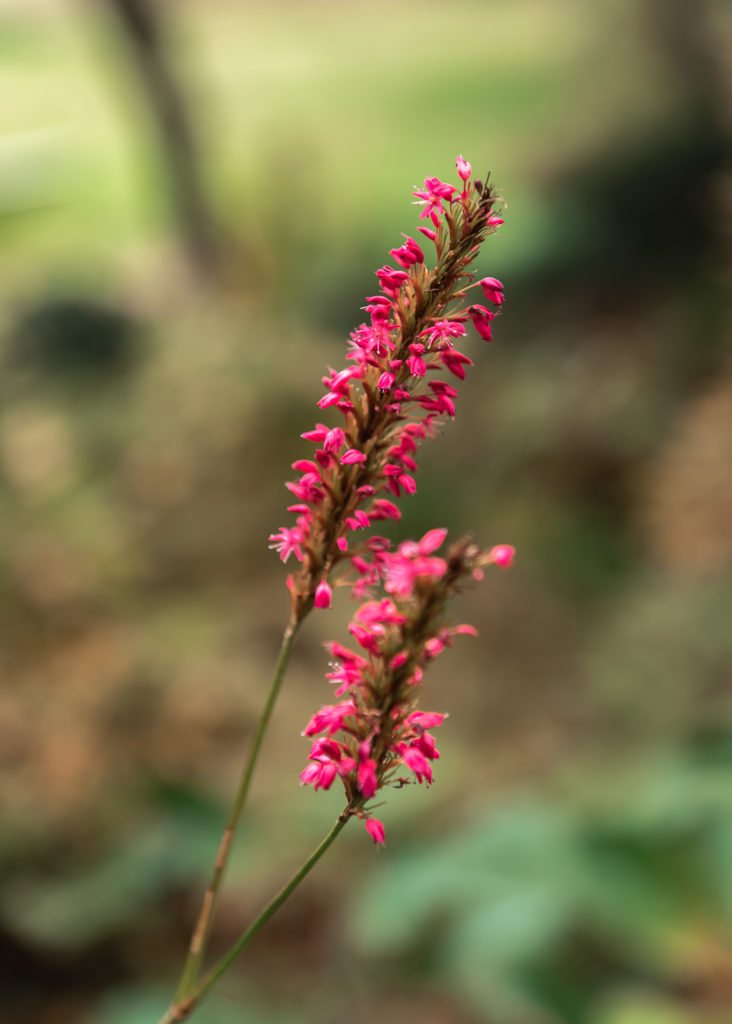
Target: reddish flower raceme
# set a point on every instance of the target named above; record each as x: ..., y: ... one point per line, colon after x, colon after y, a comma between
x: 393, y: 394
x: 376, y: 736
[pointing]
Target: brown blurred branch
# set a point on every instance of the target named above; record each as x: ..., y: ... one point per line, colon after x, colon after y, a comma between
x: 142, y: 25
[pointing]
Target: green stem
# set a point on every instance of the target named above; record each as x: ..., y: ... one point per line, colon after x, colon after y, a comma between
x: 199, y: 939
x: 182, y: 1008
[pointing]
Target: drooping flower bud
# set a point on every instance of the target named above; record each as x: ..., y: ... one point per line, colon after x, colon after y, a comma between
x: 375, y: 829
x: 492, y: 289
x: 323, y: 595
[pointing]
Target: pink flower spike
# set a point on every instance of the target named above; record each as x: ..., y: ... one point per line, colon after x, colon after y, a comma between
x: 463, y: 168
x: 323, y: 595
x: 503, y: 555
x: 375, y: 829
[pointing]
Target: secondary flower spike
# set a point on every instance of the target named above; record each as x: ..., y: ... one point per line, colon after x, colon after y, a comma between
x: 394, y: 393
x: 376, y: 735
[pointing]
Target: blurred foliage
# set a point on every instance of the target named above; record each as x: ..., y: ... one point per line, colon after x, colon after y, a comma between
x: 554, y: 909
x: 570, y: 865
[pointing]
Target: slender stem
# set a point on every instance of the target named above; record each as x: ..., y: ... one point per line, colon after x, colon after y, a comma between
x: 199, y: 939
x: 182, y: 1008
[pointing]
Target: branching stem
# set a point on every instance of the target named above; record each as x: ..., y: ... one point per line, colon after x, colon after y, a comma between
x: 199, y: 939
x: 183, y: 1007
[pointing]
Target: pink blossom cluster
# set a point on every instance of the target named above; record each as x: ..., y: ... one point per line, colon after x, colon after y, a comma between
x: 376, y: 735
x: 394, y: 392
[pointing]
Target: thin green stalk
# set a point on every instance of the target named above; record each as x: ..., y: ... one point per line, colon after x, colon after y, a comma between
x: 199, y: 939
x: 183, y: 1008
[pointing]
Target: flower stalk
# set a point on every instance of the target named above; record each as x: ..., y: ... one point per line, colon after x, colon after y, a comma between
x: 201, y: 932
x: 183, y: 1007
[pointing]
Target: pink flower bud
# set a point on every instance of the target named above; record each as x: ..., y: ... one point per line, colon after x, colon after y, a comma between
x: 503, y: 555
x: 414, y: 249
x: 492, y: 289
x: 463, y: 168
x: 334, y: 440
x: 427, y: 719
x: 323, y: 594
x: 417, y: 763
x: 318, y: 434
x: 352, y: 455
x: 375, y: 829
x: 367, y: 782
x: 432, y: 541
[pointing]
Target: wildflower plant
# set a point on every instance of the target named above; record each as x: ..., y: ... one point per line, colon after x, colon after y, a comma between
x: 396, y: 390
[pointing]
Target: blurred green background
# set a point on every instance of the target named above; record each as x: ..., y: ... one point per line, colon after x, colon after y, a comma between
x: 193, y: 199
